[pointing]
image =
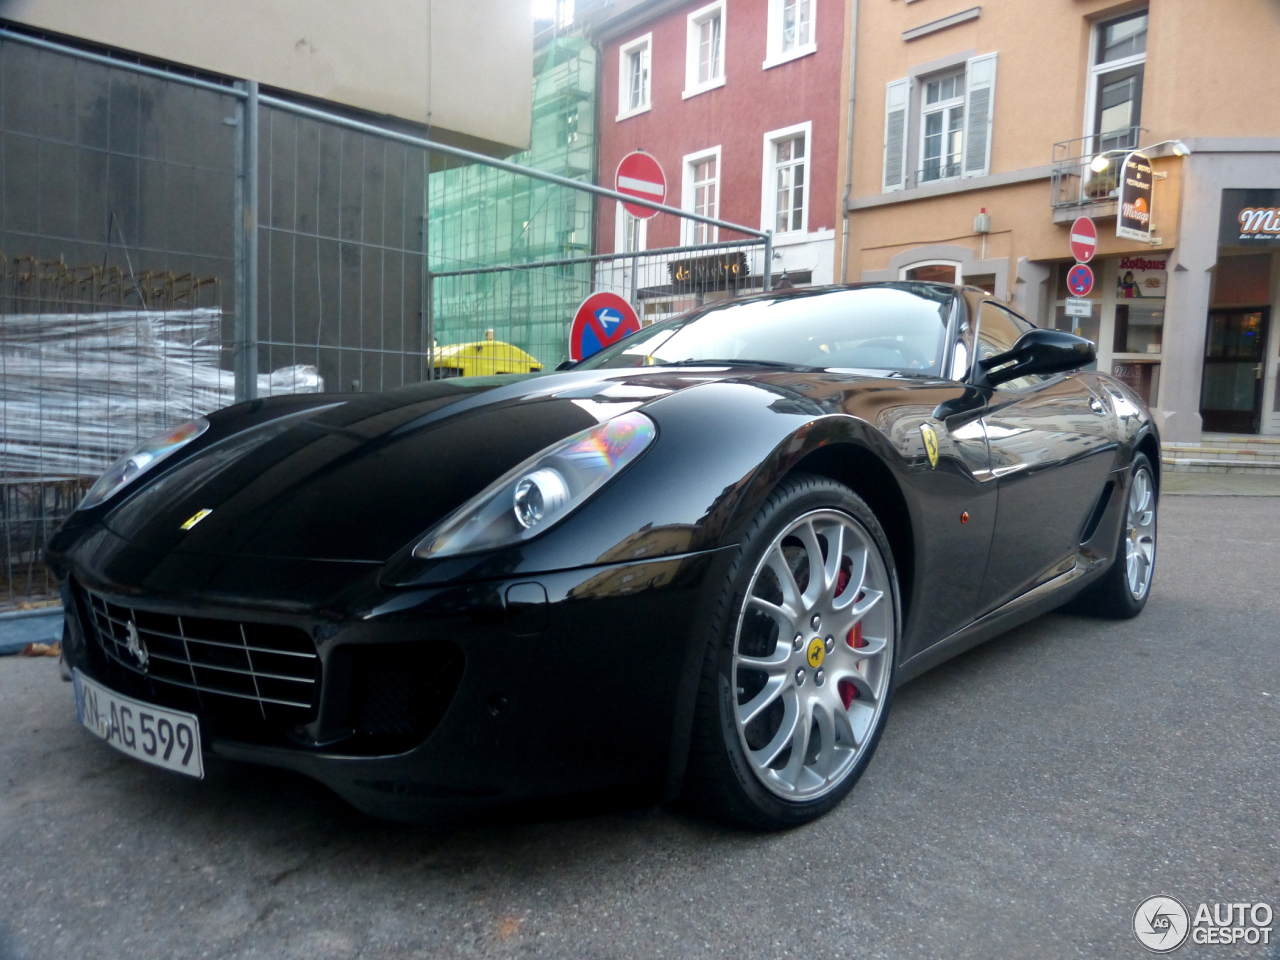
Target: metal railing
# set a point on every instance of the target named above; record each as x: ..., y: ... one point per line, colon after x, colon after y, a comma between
x: 1074, y: 181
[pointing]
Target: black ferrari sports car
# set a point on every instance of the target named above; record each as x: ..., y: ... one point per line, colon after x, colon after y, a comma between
x: 696, y: 564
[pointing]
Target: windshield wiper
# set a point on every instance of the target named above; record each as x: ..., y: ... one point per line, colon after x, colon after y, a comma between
x: 733, y: 363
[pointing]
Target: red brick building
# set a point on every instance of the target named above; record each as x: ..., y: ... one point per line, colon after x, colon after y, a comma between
x: 740, y: 101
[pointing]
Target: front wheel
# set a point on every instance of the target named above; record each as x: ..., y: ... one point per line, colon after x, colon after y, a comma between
x: 796, y: 684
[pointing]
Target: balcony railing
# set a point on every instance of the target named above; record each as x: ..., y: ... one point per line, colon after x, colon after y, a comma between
x: 1076, y: 179
x: 935, y: 170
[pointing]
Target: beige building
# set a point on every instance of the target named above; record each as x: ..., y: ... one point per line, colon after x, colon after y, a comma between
x: 981, y: 133
x: 464, y: 68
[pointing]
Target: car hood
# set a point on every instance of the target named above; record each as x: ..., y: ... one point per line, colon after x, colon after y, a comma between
x: 361, y: 478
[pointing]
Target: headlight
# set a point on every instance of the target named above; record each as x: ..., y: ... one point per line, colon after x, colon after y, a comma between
x: 141, y: 459
x: 541, y: 491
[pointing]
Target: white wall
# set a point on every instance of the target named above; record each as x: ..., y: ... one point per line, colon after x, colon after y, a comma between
x: 469, y: 63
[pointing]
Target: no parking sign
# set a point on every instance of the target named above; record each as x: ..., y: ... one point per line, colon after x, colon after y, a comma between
x: 602, y: 319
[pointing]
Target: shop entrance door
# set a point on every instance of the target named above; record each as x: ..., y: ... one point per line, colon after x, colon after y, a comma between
x: 1231, y: 391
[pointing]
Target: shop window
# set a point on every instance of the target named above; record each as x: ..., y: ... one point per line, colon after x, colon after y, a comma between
x: 983, y: 281
x: 1139, y: 328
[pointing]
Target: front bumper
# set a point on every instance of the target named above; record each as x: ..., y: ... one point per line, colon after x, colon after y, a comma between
x: 576, y: 682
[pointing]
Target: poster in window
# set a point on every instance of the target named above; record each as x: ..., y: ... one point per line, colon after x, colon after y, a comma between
x: 1141, y: 278
x: 1250, y: 218
x: 1133, y: 219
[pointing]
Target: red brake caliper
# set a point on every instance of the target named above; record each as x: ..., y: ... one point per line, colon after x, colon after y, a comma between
x: 848, y: 692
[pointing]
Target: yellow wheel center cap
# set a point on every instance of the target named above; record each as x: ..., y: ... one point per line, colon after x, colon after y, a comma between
x: 817, y: 652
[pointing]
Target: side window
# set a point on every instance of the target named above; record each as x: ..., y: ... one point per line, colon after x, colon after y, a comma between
x: 998, y: 331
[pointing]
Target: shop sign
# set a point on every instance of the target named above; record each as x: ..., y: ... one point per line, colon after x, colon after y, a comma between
x: 1133, y: 219
x: 720, y: 272
x: 1250, y: 218
x: 1140, y: 278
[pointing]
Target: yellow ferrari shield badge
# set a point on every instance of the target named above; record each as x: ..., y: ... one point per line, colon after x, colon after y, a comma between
x: 817, y: 653
x: 930, y: 443
x: 196, y: 518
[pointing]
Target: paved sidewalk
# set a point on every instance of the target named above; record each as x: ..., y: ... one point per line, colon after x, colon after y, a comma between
x: 1218, y: 484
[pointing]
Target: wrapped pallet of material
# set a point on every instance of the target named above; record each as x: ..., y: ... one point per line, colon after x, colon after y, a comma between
x: 79, y: 389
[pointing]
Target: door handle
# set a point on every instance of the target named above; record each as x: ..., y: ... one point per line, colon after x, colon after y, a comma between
x: 1097, y: 405
x: 1257, y: 371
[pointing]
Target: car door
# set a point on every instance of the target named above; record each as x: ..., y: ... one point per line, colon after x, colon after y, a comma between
x: 938, y: 431
x: 1052, y: 443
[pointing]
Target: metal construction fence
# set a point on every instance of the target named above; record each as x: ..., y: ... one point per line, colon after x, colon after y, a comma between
x: 171, y: 243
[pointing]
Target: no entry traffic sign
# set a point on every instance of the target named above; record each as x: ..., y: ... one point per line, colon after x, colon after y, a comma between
x: 639, y: 175
x: 1080, y: 280
x: 603, y: 319
x: 1084, y: 239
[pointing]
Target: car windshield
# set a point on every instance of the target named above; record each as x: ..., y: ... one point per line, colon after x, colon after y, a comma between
x: 896, y: 327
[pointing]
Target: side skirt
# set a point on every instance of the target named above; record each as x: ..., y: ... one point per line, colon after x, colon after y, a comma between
x: 1047, y: 596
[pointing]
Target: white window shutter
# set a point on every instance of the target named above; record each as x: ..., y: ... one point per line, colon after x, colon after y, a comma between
x: 979, y: 103
x: 895, y: 134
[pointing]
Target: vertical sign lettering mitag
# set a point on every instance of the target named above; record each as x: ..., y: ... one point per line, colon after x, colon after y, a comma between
x: 1133, y: 219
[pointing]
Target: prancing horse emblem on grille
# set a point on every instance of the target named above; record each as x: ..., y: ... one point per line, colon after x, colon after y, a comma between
x: 134, y: 645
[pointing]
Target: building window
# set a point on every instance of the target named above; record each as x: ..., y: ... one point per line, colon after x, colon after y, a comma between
x: 785, y: 199
x: 942, y: 128
x: 634, y: 61
x: 1119, y: 56
x: 949, y: 132
x: 932, y: 271
x: 702, y: 194
x: 704, y: 65
x: 631, y: 234
x: 791, y: 31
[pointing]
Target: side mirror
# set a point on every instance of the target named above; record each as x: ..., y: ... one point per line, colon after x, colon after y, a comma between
x: 1038, y: 352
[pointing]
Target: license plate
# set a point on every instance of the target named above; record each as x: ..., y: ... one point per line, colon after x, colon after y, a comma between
x: 166, y: 738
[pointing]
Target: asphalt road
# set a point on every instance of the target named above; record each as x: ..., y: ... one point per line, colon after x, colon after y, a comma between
x: 1026, y: 797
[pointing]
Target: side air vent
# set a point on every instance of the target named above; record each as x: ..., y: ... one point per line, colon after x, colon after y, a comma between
x: 1095, y: 518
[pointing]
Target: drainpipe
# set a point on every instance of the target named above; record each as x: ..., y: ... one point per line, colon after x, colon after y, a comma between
x: 848, y: 146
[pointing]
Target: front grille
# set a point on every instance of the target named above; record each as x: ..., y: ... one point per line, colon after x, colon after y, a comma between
x: 223, y: 669
x: 400, y: 691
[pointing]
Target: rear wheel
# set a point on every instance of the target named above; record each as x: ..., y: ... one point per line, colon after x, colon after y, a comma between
x: 796, y: 685
x: 1123, y: 590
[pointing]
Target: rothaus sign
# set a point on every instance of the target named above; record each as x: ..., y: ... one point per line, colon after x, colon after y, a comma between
x: 1250, y: 218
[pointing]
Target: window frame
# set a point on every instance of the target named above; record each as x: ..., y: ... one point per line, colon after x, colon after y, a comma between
x: 621, y: 222
x: 1098, y: 69
x: 902, y: 271
x: 774, y: 54
x: 768, y: 190
x: 944, y: 107
x: 690, y: 228
x: 694, y: 21
x: 644, y: 45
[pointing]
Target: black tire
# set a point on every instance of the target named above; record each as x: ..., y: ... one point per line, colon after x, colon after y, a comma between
x: 1111, y: 596
x: 720, y: 780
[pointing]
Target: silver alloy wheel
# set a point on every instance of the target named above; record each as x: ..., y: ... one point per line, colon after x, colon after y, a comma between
x: 1140, y: 535
x: 812, y: 655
